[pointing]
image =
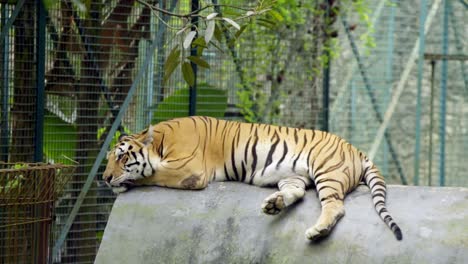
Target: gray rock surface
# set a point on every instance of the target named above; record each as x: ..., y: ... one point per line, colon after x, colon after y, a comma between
x: 224, y: 224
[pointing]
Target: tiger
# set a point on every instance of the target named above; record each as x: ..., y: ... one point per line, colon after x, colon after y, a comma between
x: 190, y: 152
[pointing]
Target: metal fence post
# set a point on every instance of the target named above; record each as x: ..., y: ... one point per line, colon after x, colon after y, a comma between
x: 40, y: 77
x: 195, y: 5
x: 4, y: 134
x: 417, y: 148
x: 326, y: 73
x: 443, y: 94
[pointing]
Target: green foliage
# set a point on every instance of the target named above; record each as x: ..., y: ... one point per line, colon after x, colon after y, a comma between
x: 117, y: 134
x: 289, y: 30
x: 59, y: 140
x: 187, y: 73
x: 200, y: 35
x: 210, y: 102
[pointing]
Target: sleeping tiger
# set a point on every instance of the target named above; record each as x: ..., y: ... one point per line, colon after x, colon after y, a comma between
x: 190, y: 152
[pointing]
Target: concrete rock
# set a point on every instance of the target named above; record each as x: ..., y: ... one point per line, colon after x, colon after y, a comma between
x: 224, y: 224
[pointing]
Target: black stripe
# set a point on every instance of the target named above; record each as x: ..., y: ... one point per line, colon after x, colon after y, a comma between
x: 379, y: 183
x: 226, y: 172
x: 388, y: 218
x: 319, y: 189
x: 134, y: 155
x: 233, y: 159
x: 332, y: 167
x: 300, y: 153
x: 244, y: 172
x: 379, y: 203
x: 188, y: 158
x: 161, y: 147
x: 329, y: 157
x: 254, y: 154
x: 246, y: 150
x: 143, y: 170
x: 269, y: 158
x: 141, y: 153
x: 383, y: 210
x: 285, y: 151
x: 378, y: 195
x: 323, y: 181
x: 132, y: 164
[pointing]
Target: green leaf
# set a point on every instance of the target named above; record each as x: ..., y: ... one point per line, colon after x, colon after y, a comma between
x: 211, y: 16
x: 232, y: 22
x: 276, y: 15
x: 217, y: 47
x: 187, y: 73
x: 209, y: 31
x: 240, y: 31
x: 171, y: 63
x: 200, y: 41
x: 266, y: 23
x: 218, y: 33
x: 199, y: 61
x: 188, y: 39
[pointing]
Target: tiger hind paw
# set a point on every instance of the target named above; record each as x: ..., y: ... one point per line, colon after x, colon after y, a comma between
x: 273, y: 204
x: 315, y: 233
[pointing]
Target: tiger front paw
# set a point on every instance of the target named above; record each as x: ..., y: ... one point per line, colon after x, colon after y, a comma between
x: 273, y: 204
x: 119, y: 190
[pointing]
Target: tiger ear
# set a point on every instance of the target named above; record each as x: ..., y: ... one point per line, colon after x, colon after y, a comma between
x: 149, y: 136
x: 122, y: 136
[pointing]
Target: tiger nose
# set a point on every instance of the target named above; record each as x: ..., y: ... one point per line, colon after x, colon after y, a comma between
x: 108, y: 179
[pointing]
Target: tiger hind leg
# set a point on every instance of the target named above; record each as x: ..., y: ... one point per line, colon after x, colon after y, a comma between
x: 290, y: 190
x: 332, y: 210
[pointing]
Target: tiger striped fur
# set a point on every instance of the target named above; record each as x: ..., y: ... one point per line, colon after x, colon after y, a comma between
x: 188, y: 153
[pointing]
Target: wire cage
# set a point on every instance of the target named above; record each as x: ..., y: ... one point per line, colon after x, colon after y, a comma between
x: 27, y: 195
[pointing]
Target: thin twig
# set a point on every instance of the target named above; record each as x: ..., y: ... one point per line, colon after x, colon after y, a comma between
x: 193, y: 13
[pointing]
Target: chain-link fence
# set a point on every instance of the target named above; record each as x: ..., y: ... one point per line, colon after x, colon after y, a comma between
x: 411, y: 87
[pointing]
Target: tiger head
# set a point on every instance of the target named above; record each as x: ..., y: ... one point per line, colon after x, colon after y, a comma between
x: 129, y: 161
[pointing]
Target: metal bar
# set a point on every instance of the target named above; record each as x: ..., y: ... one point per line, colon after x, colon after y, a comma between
x: 375, y: 106
x: 401, y: 84
x: 40, y: 84
x: 422, y: 38
x: 389, y: 76
x: 160, y: 53
x: 443, y: 94
x: 195, y: 5
x: 434, y: 56
x: 431, y: 123
x: 150, y: 79
x: 39, y: 122
x: 10, y: 21
x: 4, y: 134
x: 103, y: 150
x: 326, y: 74
x: 342, y: 90
x: 459, y: 46
x: 353, y: 112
